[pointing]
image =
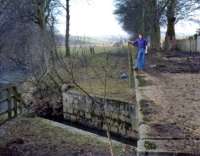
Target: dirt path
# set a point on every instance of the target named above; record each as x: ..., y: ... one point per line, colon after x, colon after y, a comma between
x: 177, y: 91
x: 172, y: 108
x: 177, y: 98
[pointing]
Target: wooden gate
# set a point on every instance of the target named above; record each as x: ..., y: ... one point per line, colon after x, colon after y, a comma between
x: 10, y: 103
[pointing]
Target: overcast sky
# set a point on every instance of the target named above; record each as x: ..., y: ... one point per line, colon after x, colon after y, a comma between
x: 95, y: 18
x: 92, y: 18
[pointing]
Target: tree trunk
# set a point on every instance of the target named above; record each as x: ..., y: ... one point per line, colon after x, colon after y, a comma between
x: 143, y: 17
x: 155, y: 37
x: 155, y: 29
x: 170, y: 38
x: 40, y: 15
x: 153, y: 25
x: 67, y: 35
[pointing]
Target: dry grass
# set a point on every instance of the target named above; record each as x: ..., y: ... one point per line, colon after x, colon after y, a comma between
x: 116, y: 89
x: 103, y: 74
x: 36, y: 137
x: 91, y: 72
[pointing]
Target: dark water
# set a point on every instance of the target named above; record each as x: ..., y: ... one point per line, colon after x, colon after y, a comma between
x: 12, y: 77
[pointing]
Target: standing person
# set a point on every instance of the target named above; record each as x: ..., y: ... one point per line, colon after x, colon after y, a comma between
x: 141, y: 44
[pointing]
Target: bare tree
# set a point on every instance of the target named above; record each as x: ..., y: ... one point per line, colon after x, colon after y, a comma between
x: 175, y: 11
x: 26, y: 29
x: 67, y: 48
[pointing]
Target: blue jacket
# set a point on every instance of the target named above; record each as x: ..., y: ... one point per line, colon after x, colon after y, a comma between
x: 140, y: 43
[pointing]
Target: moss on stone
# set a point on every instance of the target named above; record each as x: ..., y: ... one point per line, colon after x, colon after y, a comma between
x: 142, y: 81
x: 150, y: 145
x: 147, y: 109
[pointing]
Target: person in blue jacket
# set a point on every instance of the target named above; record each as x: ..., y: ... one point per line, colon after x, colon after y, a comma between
x: 141, y: 44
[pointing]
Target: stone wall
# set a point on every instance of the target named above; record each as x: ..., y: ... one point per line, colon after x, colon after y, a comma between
x: 98, y: 113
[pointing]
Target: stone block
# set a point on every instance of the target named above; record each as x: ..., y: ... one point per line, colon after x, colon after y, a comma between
x: 122, y: 130
x: 97, y: 113
x: 114, y: 129
x: 73, y: 118
x: 67, y: 116
x: 88, y: 115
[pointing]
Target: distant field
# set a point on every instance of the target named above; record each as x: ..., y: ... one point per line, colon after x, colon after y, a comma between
x: 79, y: 50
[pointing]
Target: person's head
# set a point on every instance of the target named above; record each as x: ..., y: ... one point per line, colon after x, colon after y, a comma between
x: 140, y: 35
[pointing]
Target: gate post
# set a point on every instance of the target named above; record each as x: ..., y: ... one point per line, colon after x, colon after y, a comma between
x: 130, y: 60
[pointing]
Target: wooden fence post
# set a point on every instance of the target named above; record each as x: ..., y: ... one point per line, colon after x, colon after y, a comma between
x: 130, y: 60
x: 14, y: 102
x: 9, y: 104
x: 18, y: 100
x: 15, y: 96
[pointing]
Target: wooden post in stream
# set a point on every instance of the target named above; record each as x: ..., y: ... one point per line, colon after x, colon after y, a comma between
x: 130, y: 60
